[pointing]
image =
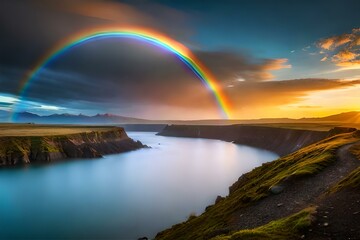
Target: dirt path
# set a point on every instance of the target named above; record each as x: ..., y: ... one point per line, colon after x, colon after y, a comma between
x: 337, y: 217
x: 297, y: 195
x: 338, y: 214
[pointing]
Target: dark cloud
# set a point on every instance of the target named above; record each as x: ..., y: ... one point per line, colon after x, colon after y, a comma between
x: 30, y: 28
x: 228, y: 66
x: 122, y: 72
x: 117, y: 71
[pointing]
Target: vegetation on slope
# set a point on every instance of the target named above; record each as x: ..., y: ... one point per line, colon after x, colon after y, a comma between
x: 352, y: 180
x: 24, y: 145
x: 17, y: 150
x: 255, y: 185
x: 286, y: 228
x: 46, y: 144
x: 356, y: 150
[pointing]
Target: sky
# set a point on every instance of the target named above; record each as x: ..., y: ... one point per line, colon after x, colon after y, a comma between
x: 270, y: 58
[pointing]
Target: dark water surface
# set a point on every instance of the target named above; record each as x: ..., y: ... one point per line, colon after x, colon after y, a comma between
x: 122, y: 196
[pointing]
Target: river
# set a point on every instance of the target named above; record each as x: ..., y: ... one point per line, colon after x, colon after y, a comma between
x: 122, y: 196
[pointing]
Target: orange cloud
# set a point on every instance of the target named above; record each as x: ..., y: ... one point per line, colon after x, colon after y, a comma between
x: 326, y: 43
x: 231, y: 67
x: 341, y: 40
x: 357, y: 41
x: 264, y: 70
x: 276, y: 64
x: 344, y: 56
x: 350, y: 64
x: 342, y: 50
x: 324, y: 59
x: 336, y: 41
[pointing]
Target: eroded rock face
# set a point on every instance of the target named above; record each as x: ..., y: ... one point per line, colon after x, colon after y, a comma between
x: 218, y: 199
x: 25, y: 150
x: 279, y: 140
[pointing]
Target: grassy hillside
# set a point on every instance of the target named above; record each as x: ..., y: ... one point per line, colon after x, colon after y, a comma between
x: 356, y: 150
x: 350, y: 181
x: 219, y: 220
x: 286, y: 228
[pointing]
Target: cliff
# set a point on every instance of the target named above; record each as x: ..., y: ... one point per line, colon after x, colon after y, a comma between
x: 16, y: 150
x: 312, y: 193
x: 279, y: 140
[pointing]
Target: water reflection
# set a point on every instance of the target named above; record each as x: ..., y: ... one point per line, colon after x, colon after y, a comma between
x: 123, y: 196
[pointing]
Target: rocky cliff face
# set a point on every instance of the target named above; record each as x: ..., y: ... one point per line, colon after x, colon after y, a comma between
x: 279, y: 140
x: 40, y: 149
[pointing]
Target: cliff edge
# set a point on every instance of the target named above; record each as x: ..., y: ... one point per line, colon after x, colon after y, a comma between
x: 312, y: 193
x: 279, y: 140
x: 93, y: 143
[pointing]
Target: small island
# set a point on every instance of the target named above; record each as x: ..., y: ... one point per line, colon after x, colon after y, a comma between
x: 32, y: 143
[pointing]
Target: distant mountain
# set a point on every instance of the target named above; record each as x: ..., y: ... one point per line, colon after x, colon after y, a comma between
x: 77, y: 119
x: 346, y: 117
x: 24, y: 117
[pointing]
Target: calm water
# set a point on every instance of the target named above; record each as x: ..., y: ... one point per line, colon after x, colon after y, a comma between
x: 122, y: 196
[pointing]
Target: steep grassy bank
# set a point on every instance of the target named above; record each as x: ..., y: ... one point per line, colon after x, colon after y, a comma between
x: 39, y: 144
x: 279, y: 140
x: 272, y: 192
x: 290, y: 227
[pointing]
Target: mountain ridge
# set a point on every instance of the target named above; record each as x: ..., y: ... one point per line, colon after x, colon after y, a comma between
x: 109, y: 118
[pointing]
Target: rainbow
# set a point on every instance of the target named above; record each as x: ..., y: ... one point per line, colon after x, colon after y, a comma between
x: 149, y: 36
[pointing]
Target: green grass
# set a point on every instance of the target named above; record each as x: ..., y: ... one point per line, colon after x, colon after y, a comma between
x: 24, y: 145
x: 25, y: 130
x: 285, y: 228
x: 43, y: 144
x: 351, y: 181
x: 356, y: 150
x: 255, y: 185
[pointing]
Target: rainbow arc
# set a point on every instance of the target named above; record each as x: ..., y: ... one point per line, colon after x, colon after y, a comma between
x: 149, y: 36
